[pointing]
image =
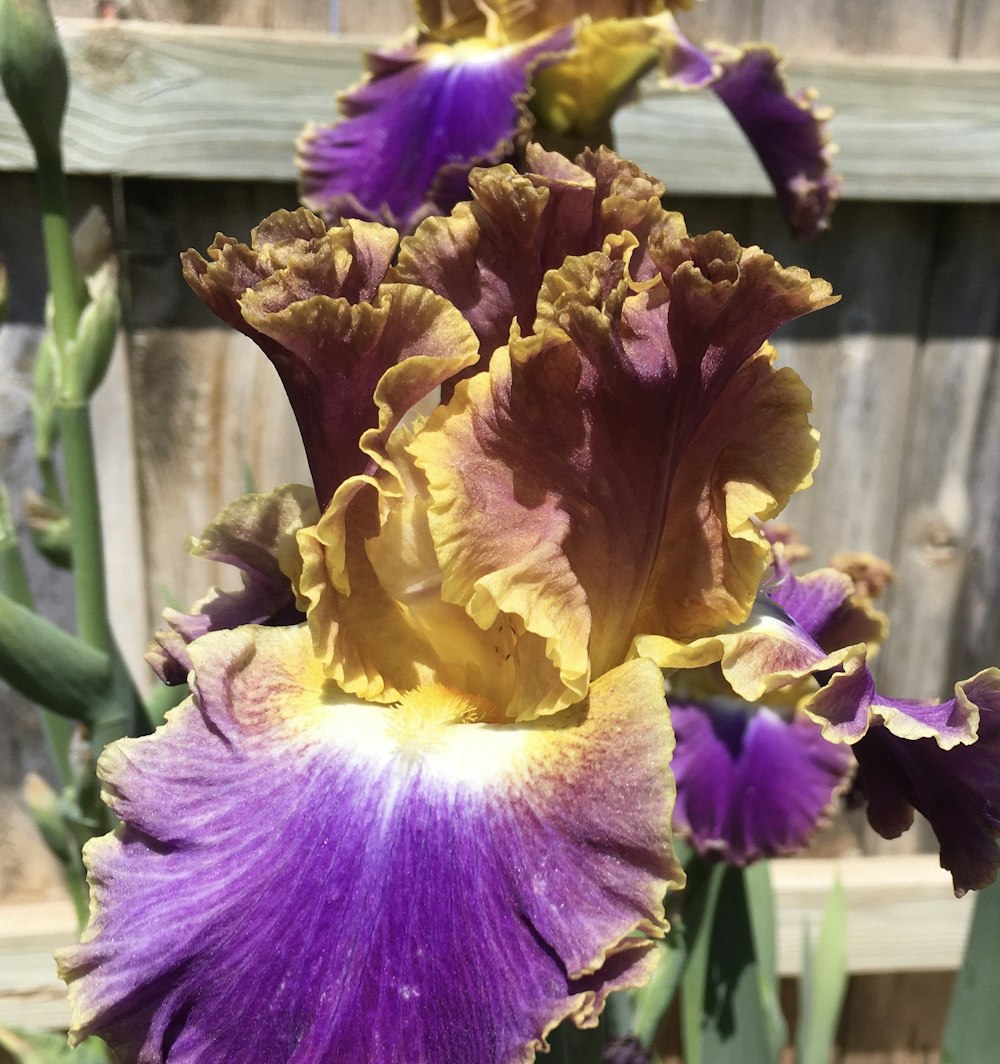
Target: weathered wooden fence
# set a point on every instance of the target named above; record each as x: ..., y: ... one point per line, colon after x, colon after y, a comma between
x: 182, y: 121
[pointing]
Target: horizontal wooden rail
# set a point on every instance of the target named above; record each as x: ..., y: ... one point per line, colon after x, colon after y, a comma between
x: 902, y: 916
x: 165, y: 100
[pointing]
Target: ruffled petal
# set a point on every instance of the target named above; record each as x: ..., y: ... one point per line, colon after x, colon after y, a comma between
x: 412, y: 131
x: 957, y: 790
x: 849, y: 704
x: 489, y: 257
x: 314, y: 301
x: 753, y: 450
x: 750, y: 784
x: 786, y: 130
x: 585, y: 422
x: 256, y: 535
x: 432, y: 883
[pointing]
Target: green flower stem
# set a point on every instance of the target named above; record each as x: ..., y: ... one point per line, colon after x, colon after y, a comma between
x: 69, y: 294
x: 49, y: 666
x: 122, y: 713
x: 14, y: 583
x: 92, y: 622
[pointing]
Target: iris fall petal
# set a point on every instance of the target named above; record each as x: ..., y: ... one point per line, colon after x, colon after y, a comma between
x: 403, y: 883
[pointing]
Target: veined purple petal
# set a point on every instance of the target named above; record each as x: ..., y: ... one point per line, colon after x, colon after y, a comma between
x: 849, y: 703
x: 749, y: 783
x: 957, y: 790
x: 252, y: 535
x: 415, y: 128
x: 787, y: 132
x: 305, y: 878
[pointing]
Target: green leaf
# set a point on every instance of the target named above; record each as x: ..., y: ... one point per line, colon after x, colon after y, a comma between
x: 700, y: 905
x: 45, y: 1047
x: 972, y: 1032
x: 655, y: 998
x: 764, y: 929
x: 50, y: 667
x: 569, y: 1045
x: 736, y: 1024
x: 824, y: 983
x: 163, y: 698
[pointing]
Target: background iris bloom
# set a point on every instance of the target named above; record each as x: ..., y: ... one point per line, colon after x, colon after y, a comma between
x: 475, y: 80
x: 768, y: 720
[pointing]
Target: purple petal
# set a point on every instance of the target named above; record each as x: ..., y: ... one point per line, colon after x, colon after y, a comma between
x: 416, y: 127
x: 302, y: 877
x: 252, y: 534
x: 957, y: 790
x: 849, y: 703
x: 750, y: 784
x: 786, y: 131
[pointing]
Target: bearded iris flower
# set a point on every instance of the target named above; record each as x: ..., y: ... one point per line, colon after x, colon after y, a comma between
x: 477, y: 79
x: 432, y: 819
x: 776, y: 715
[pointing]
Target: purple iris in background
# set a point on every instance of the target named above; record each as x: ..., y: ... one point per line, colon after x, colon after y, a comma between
x: 776, y: 717
x: 473, y: 82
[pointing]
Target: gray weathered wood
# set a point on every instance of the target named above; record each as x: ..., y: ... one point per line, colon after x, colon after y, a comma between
x: 979, y: 33
x: 845, y: 27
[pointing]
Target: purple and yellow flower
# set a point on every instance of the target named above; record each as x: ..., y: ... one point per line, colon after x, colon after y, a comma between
x: 433, y: 819
x: 775, y: 716
x: 476, y: 80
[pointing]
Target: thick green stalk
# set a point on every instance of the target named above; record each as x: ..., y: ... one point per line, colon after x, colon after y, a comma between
x: 14, y: 583
x: 85, y: 519
x: 49, y: 666
x: 69, y: 295
x: 123, y: 713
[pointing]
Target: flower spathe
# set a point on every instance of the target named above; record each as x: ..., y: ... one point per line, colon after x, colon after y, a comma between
x: 437, y: 813
x: 475, y: 81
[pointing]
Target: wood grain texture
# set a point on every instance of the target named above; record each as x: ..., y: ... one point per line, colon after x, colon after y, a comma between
x: 212, y: 416
x: 268, y: 14
x: 979, y: 32
x: 221, y: 103
x: 732, y: 21
x: 859, y: 27
x: 384, y: 18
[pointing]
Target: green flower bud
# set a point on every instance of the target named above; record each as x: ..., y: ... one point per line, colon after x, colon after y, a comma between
x: 50, y: 529
x: 43, y: 394
x: 33, y: 72
x: 89, y: 353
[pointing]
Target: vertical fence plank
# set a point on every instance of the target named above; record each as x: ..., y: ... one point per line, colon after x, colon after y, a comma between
x: 891, y: 27
x: 979, y: 32
x: 732, y: 21
x: 940, y: 496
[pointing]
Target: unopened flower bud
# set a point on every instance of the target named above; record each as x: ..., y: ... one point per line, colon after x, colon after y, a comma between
x: 33, y: 71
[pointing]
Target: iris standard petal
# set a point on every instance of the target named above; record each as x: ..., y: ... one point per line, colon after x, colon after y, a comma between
x: 412, y: 131
x: 751, y: 784
x: 255, y: 535
x: 753, y: 450
x: 314, y: 301
x: 405, y: 885
x: 586, y: 421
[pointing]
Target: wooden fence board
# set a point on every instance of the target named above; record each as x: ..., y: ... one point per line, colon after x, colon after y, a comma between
x: 224, y: 103
x: 845, y: 27
x: 979, y: 33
